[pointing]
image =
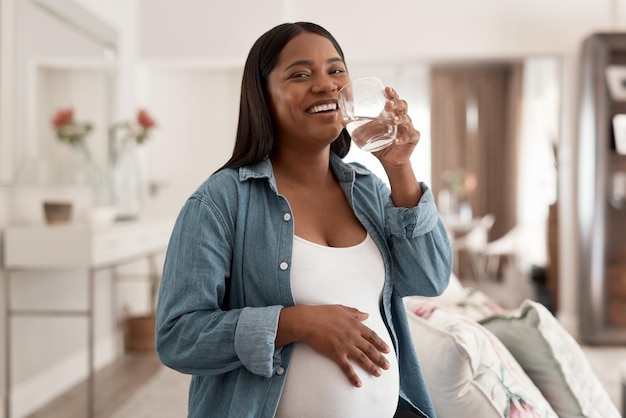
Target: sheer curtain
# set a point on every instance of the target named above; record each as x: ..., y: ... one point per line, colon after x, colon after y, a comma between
x: 540, y: 131
x: 498, y: 120
x: 475, y: 125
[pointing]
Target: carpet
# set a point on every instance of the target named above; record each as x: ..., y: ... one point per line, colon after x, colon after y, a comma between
x: 164, y: 396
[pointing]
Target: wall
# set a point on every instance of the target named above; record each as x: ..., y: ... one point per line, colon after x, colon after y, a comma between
x: 4, y: 99
x: 407, y: 32
x: 124, y: 16
x: 404, y: 30
x: 194, y: 140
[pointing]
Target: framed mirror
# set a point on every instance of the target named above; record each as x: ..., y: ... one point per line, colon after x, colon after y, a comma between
x: 64, y: 61
x: 55, y: 55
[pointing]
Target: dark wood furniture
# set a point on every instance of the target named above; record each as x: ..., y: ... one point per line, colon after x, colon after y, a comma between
x: 552, y: 277
x: 601, y: 223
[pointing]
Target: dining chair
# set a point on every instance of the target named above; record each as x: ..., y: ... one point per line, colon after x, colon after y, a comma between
x: 475, y: 244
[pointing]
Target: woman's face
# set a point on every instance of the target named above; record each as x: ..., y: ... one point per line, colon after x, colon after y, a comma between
x: 303, y: 91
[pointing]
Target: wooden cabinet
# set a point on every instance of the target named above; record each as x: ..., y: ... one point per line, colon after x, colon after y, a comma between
x: 616, y: 298
x: 553, y: 255
x: 601, y: 220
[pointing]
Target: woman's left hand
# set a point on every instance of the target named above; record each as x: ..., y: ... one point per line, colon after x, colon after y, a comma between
x: 407, y: 138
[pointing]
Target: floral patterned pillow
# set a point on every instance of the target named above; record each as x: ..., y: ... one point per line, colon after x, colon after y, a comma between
x: 552, y: 358
x: 467, y: 301
x: 468, y: 371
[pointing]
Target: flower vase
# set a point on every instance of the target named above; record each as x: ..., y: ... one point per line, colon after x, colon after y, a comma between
x: 78, y: 171
x: 446, y: 202
x: 127, y: 181
x: 465, y: 210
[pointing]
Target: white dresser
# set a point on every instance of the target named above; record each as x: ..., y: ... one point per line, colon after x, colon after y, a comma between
x: 43, y: 247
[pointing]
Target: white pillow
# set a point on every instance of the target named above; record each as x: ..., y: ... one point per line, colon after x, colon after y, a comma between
x: 552, y: 358
x: 468, y: 372
x: 454, y: 293
x: 466, y: 301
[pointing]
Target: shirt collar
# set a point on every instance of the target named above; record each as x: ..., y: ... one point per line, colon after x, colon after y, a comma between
x: 263, y: 169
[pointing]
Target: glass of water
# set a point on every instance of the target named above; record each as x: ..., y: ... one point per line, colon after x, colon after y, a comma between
x: 362, y: 105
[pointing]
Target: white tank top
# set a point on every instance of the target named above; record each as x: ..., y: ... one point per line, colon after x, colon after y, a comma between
x: 315, y: 386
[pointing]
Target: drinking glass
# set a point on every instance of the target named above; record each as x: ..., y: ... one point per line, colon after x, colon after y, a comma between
x: 362, y: 105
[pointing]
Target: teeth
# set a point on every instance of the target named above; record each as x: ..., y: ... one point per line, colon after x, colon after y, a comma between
x: 323, y: 108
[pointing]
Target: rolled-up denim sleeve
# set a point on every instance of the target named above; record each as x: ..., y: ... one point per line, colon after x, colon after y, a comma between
x: 415, y: 221
x: 254, y: 339
x: 420, y: 248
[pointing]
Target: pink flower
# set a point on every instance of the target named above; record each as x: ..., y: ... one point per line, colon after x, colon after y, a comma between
x: 145, y: 120
x: 62, y: 118
x: 137, y: 130
x: 425, y: 309
x: 518, y: 408
x: 68, y: 130
x: 470, y: 182
x: 460, y: 182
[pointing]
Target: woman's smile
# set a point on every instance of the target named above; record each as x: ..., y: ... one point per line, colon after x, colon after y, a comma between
x: 329, y: 106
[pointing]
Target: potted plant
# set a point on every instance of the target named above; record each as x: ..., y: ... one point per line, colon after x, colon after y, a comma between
x: 126, y: 168
x: 124, y: 137
x: 77, y: 171
x: 455, y: 195
x: 71, y: 132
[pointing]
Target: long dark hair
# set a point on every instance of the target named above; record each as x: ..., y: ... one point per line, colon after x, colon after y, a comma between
x: 256, y: 137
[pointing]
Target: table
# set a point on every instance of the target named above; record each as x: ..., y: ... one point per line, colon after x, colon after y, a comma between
x: 457, y: 225
x: 467, y: 235
x: 37, y: 247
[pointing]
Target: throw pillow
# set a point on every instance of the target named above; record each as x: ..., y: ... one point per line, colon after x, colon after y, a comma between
x: 466, y: 301
x: 468, y: 372
x: 555, y: 362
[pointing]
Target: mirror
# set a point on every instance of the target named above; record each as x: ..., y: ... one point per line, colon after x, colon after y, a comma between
x: 65, y: 58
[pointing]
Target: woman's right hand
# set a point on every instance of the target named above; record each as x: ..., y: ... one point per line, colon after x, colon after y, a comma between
x: 337, y: 332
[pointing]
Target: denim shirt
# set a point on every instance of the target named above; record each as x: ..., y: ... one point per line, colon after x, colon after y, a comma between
x: 227, y: 276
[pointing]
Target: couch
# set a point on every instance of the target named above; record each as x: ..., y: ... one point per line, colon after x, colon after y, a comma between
x: 480, y: 360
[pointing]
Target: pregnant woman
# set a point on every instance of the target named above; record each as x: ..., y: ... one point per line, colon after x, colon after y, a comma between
x: 284, y: 277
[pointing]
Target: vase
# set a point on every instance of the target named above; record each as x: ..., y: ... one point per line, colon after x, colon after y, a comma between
x: 127, y: 181
x: 75, y: 169
x: 464, y: 210
x: 90, y: 174
x: 445, y: 202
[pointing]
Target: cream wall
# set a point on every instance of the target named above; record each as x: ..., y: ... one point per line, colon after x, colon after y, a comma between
x: 405, y: 32
x: 403, y: 29
x: 215, y: 38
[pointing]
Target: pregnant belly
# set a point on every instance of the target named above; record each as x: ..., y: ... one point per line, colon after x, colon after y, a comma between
x: 316, y: 387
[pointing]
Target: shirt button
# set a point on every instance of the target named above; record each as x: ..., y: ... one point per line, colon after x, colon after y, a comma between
x: 287, y: 217
x: 284, y: 266
x: 280, y: 371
